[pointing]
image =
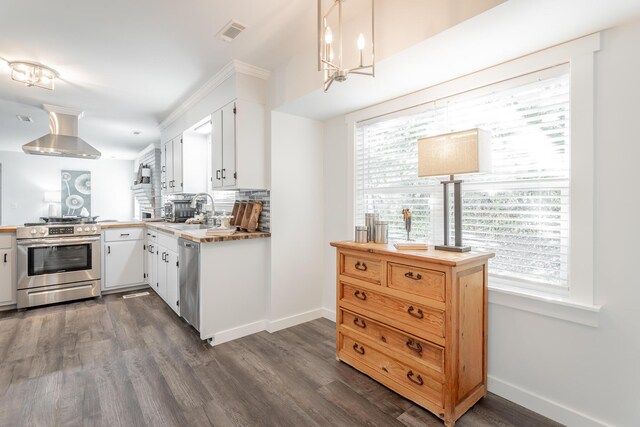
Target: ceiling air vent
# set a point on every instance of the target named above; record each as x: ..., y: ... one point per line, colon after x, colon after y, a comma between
x: 231, y: 31
x: 24, y: 118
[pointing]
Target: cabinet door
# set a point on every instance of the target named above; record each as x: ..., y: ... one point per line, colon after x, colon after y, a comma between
x: 152, y: 265
x: 161, y: 283
x: 123, y: 264
x: 167, y: 166
x: 172, y: 282
x: 178, y: 185
x: 7, y: 285
x: 229, y: 145
x: 216, y: 149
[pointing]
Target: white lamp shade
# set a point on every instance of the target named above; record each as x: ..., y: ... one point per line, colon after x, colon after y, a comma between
x: 455, y: 153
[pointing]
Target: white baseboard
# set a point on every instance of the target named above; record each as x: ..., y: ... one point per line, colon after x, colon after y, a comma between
x: 542, y: 405
x: 329, y: 314
x: 296, y: 319
x: 239, y: 332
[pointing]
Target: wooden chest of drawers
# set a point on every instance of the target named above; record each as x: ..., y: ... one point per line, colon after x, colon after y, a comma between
x: 416, y: 321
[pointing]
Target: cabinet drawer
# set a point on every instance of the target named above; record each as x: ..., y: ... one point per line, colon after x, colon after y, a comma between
x: 152, y: 235
x: 425, y: 319
x: 421, y: 351
x: 169, y: 242
x: 119, y: 234
x: 6, y: 240
x: 418, y: 281
x: 409, y: 376
x: 360, y: 267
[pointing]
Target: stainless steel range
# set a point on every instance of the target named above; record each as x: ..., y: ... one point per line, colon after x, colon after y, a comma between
x: 58, y: 261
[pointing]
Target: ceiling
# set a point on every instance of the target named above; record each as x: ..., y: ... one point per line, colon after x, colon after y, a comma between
x: 501, y: 33
x: 128, y: 64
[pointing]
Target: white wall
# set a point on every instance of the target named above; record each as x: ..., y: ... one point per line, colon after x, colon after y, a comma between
x: 335, y: 204
x: 297, y: 240
x: 25, y: 178
x: 576, y: 374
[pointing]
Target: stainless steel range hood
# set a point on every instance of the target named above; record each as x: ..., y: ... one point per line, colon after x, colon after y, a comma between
x: 63, y: 138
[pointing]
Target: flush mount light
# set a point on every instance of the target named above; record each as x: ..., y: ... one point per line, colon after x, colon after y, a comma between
x: 33, y: 74
x: 330, y: 43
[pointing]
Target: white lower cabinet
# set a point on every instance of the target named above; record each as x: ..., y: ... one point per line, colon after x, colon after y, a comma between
x: 166, y: 270
x: 124, y: 264
x: 7, y: 270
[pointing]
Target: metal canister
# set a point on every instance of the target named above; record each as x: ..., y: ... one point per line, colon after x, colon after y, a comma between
x: 361, y: 234
x: 382, y: 232
x: 370, y: 222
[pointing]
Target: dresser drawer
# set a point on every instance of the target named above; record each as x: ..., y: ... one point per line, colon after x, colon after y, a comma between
x: 425, y: 319
x: 417, y: 281
x: 421, y: 351
x: 409, y: 376
x: 360, y: 267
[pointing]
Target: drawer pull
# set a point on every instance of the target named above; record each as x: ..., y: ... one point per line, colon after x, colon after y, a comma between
x: 358, y: 348
x: 418, y: 314
x: 360, y: 295
x: 359, y: 322
x: 414, y: 345
x: 418, y: 379
x: 410, y: 275
x: 361, y: 266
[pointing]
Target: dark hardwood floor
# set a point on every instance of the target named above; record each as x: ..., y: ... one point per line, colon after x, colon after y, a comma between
x: 132, y: 362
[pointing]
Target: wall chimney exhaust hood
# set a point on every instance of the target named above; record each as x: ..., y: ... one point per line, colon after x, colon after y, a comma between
x: 63, y: 138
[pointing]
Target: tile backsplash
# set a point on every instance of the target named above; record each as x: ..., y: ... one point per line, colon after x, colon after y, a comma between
x: 224, y: 201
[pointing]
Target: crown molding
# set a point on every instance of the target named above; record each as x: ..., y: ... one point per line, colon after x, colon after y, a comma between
x: 227, y: 71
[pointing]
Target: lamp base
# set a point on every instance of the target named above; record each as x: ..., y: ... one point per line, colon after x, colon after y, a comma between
x: 453, y: 248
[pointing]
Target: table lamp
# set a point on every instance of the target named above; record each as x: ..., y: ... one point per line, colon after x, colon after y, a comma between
x: 452, y: 154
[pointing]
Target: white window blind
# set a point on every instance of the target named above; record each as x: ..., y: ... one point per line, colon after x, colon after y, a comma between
x: 520, y: 211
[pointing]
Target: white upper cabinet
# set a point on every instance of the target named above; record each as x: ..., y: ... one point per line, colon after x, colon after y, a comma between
x: 184, y: 164
x: 234, y: 101
x: 238, y: 146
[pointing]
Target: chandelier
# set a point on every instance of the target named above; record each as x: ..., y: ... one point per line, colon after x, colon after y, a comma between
x: 33, y: 74
x: 331, y: 52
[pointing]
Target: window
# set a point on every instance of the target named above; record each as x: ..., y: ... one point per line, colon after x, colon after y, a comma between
x: 520, y: 211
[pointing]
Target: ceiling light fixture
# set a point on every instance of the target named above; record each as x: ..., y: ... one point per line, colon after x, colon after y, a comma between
x: 330, y: 44
x: 33, y: 74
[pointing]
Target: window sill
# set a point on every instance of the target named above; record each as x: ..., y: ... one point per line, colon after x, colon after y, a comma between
x: 582, y: 314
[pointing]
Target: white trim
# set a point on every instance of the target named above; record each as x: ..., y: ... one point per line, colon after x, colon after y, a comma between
x: 296, y: 319
x: 63, y: 110
x: 227, y: 71
x: 550, y: 409
x: 329, y: 314
x: 239, y: 332
x: 579, y: 54
x: 582, y: 314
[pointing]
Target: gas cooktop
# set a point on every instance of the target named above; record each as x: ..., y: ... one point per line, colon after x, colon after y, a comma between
x: 66, y: 220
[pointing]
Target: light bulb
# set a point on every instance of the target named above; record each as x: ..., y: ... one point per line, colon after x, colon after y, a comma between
x: 45, y: 79
x: 328, y: 35
x: 360, y: 41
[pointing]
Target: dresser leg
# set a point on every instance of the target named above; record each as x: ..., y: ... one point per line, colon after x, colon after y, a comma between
x: 449, y: 423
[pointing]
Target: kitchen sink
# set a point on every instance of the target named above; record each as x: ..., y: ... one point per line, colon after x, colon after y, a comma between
x: 188, y: 226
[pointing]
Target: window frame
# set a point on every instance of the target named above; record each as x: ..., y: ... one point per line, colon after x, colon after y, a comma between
x: 578, y: 304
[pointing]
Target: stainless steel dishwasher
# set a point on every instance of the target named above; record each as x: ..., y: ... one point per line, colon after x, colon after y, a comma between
x: 189, y: 256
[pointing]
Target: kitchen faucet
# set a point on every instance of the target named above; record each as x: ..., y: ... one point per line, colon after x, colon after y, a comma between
x: 194, y: 202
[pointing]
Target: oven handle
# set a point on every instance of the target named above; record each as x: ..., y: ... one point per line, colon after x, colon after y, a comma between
x: 42, y: 243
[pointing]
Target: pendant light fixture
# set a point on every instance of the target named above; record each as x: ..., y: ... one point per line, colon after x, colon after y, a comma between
x: 33, y: 74
x: 331, y: 55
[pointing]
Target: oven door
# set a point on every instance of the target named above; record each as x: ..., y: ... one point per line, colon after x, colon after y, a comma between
x: 51, y: 261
